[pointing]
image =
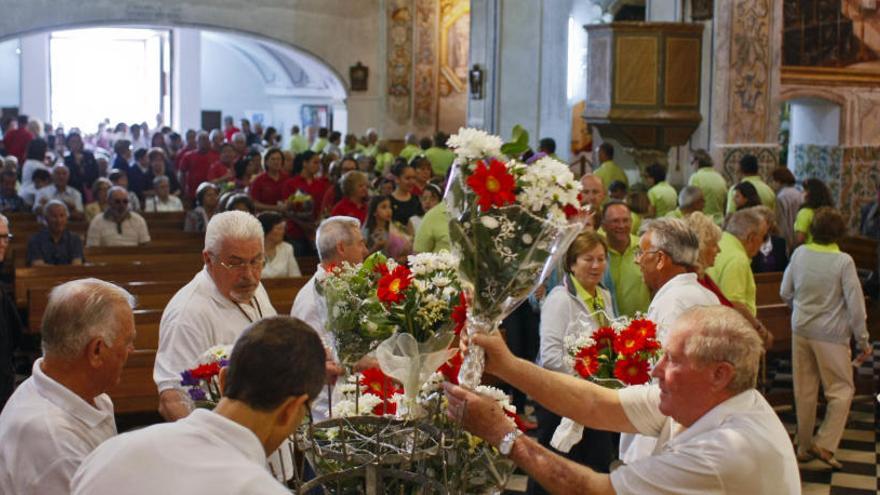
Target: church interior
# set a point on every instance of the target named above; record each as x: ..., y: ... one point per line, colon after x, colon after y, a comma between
x: 663, y: 90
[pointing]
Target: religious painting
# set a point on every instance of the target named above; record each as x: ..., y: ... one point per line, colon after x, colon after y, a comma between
x: 454, y: 49
x: 831, y: 34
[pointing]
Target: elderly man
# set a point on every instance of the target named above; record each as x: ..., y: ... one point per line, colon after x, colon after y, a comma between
x: 338, y: 240
x: 61, y: 413
x: 748, y: 172
x: 215, y: 307
x: 276, y: 366
x: 745, y: 232
x: 10, y: 324
x: 690, y: 199
x: 55, y: 245
x: 118, y: 226
x: 592, y: 197
x: 60, y: 190
x: 716, y: 433
x: 630, y: 292
x: 239, y: 145
x: 712, y: 184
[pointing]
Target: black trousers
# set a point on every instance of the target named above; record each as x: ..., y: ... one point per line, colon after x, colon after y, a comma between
x: 523, y: 339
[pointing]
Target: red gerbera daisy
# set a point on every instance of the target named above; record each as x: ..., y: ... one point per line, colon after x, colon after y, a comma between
x: 450, y: 368
x: 586, y: 361
x: 493, y: 184
x: 385, y: 407
x: 604, y: 338
x: 570, y: 211
x: 459, y: 313
x: 392, y: 284
x: 646, y: 328
x: 629, y: 342
x: 206, y: 371
x: 632, y: 371
x: 378, y: 383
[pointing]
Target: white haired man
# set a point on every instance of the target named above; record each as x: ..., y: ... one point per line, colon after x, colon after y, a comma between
x: 716, y: 433
x: 338, y: 240
x: 62, y: 413
x: 690, y: 199
x: 215, y: 307
x: 744, y: 233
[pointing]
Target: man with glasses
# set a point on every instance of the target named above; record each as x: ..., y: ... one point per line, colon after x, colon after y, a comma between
x: 215, y: 307
x: 10, y: 324
x: 118, y: 226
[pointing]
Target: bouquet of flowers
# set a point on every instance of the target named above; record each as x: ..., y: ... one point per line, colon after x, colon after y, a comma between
x: 614, y: 356
x: 508, y: 222
x: 202, y: 382
x: 302, y: 204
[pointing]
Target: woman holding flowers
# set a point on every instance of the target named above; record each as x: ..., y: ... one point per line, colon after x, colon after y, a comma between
x: 580, y: 298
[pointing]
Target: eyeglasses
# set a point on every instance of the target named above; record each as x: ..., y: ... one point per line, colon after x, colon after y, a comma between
x: 240, y: 266
x: 638, y: 253
x: 6, y: 237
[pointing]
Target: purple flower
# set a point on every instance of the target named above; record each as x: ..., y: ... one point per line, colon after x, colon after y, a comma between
x: 224, y: 363
x: 187, y: 380
x: 197, y: 394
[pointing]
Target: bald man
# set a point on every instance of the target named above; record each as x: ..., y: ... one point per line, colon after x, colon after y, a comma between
x: 593, y: 195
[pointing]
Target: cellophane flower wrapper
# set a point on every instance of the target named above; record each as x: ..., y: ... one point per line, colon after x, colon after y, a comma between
x: 508, y: 223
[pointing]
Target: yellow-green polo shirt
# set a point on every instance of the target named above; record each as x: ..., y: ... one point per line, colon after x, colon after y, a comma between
x: 663, y: 197
x: 714, y: 189
x: 733, y: 272
x: 768, y: 197
x: 803, y: 221
x: 630, y: 291
x: 610, y: 172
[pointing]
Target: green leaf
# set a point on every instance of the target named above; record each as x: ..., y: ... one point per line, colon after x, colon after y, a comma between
x: 519, y: 143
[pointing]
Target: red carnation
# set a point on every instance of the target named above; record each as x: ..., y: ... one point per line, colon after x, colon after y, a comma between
x: 629, y: 342
x: 646, y: 328
x: 459, y: 313
x: 571, y: 211
x: 604, y: 338
x: 392, y: 284
x: 631, y: 371
x: 206, y: 371
x: 450, y: 368
x: 378, y: 383
x: 493, y: 185
x: 586, y: 361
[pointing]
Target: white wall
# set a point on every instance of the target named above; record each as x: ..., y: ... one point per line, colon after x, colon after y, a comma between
x: 230, y: 83
x: 35, y: 76
x: 813, y: 121
x: 10, y: 89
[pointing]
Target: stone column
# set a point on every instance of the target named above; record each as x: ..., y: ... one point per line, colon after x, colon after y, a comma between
x: 186, y: 95
x: 35, y: 76
x: 745, y: 97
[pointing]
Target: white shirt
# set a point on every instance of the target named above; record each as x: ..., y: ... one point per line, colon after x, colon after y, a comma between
x: 310, y: 307
x: 678, y: 294
x: 197, y: 318
x: 154, y: 204
x: 71, y: 197
x: 283, y: 264
x: 739, y: 446
x: 204, y: 453
x: 46, y: 432
x: 103, y: 232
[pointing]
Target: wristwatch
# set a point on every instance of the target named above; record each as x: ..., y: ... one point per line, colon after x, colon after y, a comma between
x: 508, y: 440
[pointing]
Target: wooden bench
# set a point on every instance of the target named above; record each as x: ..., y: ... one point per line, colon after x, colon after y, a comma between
x: 772, y: 310
x: 863, y: 250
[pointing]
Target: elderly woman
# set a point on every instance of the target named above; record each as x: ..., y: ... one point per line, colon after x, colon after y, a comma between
x: 828, y: 307
x: 100, y: 188
x: 773, y: 255
x: 279, y: 254
x: 356, y: 192
x: 207, y: 202
x: 163, y: 200
x: 579, y: 298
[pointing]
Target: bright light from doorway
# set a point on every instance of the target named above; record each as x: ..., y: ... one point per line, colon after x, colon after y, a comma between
x: 114, y: 74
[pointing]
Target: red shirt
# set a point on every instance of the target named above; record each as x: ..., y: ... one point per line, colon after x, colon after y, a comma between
x: 316, y: 188
x: 349, y: 208
x: 196, y: 166
x: 218, y: 169
x: 265, y: 189
x: 16, y: 142
x: 229, y: 132
x: 708, y: 283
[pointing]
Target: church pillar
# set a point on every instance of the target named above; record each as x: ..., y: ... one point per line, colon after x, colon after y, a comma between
x: 745, y: 98
x: 35, y: 76
x: 186, y: 96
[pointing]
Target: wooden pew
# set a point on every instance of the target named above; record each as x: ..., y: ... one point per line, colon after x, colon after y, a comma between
x: 863, y: 250
x: 772, y: 310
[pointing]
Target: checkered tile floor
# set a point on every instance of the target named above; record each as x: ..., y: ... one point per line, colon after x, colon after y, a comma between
x: 859, y: 450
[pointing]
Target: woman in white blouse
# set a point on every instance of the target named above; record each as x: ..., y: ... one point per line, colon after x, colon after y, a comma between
x: 163, y: 200
x: 279, y: 254
x: 579, y: 297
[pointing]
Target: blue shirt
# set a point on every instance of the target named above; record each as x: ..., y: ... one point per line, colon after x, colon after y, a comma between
x: 42, y: 247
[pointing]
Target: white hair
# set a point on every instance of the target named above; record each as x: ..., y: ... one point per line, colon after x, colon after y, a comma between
x: 238, y: 225
x: 688, y: 196
x: 58, y: 203
x: 676, y: 239
x: 331, y: 232
x: 160, y: 179
x: 744, y: 223
x: 721, y: 334
x: 4, y: 219
x: 79, y: 311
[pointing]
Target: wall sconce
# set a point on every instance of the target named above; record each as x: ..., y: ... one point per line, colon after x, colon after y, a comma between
x: 475, y: 77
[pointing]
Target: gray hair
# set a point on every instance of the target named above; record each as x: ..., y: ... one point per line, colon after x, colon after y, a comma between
x: 79, y: 311
x: 239, y: 136
x: 721, y: 334
x: 238, y: 225
x: 350, y: 180
x: 676, y: 239
x: 331, y: 232
x: 58, y: 203
x: 116, y: 189
x: 4, y: 219
x: 160, y: 179
x: 688, y: 196
x: 744, y: 223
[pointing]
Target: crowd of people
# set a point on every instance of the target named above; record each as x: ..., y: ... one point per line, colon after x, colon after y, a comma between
x: 686, y: 259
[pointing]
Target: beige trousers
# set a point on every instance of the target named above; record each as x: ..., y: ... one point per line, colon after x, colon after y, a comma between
x: 814, y: 361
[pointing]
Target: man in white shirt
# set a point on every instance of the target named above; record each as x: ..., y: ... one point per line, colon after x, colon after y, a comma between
x: 338, y: 240
x: 61, y: 191
x: 118, y: 226
x: 62, y: 413
x: 716, y: 433
x: 215, y: 307
x: 276, y: 366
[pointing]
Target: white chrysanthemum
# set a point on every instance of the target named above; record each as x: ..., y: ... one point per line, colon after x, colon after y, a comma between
x: 498, y: 395
x: 471, y: 144
x: 215, y: 353
x: 548, y: 184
